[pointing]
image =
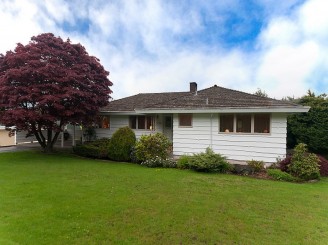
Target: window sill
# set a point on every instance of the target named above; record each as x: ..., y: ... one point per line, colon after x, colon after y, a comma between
x: 244, y: 133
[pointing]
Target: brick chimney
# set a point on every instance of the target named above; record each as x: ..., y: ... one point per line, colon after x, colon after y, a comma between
x: 193, y: 87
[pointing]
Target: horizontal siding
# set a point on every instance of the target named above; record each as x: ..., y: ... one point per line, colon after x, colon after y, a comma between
x: 235, y: 146
x: 117, y: 122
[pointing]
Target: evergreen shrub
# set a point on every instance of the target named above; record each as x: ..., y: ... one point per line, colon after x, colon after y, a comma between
x: 121, y: 144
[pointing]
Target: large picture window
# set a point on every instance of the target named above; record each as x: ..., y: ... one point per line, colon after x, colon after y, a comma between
x: 226, y: 123
x: 245, y: 123
x: 261, y: 123
x: 142, y: 122
x: 185, y: 120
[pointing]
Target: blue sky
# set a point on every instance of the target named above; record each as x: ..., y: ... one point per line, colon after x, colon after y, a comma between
x: 162, y: 45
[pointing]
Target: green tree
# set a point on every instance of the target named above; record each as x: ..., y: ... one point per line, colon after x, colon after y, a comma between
x: 261, y: 93
x: 310, y: 128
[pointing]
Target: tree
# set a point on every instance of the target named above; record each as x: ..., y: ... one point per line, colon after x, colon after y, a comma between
x: 49, y: 83
x: 310, y: 128
x: 261, y: 93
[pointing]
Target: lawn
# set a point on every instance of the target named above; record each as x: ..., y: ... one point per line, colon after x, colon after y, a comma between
x: 63, y: 199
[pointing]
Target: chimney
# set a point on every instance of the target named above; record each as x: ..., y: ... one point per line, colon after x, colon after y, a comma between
x: 193, y: 87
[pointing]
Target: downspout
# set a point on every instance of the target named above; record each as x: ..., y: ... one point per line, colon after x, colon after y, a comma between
x: 211, y: 131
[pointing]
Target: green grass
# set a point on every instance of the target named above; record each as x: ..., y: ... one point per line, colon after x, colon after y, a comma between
x: 63, y: 199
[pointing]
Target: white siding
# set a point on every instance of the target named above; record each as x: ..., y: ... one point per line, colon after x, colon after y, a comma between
x: 235, y: 146
x: 118, y: 121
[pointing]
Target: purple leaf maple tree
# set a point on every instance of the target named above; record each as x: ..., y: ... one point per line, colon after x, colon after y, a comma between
x: 48, y: 84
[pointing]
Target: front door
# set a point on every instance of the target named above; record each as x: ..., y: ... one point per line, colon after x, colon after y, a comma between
x: 168, y: 127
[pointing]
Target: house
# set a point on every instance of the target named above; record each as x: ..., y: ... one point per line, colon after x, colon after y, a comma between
x: 238, y: 125
x: 7, y: 138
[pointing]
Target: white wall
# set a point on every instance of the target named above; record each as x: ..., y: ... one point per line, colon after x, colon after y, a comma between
x: 118, y: 121
x: 235, y: 146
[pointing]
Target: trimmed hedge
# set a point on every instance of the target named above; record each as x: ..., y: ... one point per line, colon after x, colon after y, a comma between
x: 94, y: 149
x: 121, y: 144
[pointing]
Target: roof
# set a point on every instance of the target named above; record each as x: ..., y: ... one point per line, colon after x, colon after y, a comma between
x: 211, y: 99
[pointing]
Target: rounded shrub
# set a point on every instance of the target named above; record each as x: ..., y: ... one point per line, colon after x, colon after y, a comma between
x: 256, y: 166
x: 152, y: 146
x: 209, y: 161
x: 121, y: 144
x: 304, y: 165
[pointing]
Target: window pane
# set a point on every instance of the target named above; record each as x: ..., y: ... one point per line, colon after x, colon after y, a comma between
x: 244, y: 123
x: 133, y: 122
x: 149, y: 123
x: 185, y: 120
x: 261, y: 123
x: 141, y: 122
x: 226, y: 123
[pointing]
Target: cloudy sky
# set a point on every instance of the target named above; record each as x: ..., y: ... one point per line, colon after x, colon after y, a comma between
x: 162, y: 45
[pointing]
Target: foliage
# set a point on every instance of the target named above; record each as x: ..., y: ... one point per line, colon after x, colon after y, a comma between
x: 49, y: 83
x: 257, y: 166
x: 310, y: 128
x: 208, y: 161
x: 121, y: 144
x: 89, y: 133
x: 261, y: 93
x: 183, y: 162
x: 151, y: 146
x: 304, y: 165
x: 158, y: 162
x: 277, y: 174
x: 93, y: 149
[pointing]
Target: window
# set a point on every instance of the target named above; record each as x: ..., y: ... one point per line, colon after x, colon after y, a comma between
x: 261, y: 123
x: 142, y: 122
x: 243, y: 123
x: 185, y: 120
x: 226, y: 123
x: 104, y: 122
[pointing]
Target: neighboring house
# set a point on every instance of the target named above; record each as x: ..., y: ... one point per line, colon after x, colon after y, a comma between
x: 237, y: 125
x: 6, y: 137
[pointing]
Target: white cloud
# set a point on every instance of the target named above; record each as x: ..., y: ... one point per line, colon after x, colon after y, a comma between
x: 150, y: 46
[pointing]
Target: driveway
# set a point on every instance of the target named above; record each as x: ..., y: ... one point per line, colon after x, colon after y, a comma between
x: 22, y: 147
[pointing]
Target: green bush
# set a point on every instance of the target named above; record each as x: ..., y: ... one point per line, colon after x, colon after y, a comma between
x: 256, y: 166
x: 208, y: 161
x: 121, y: 144
x: 151, y: 146
x: 304, y: 165
x: 183, y: 162
x: 93, y: 149
x: 277, y: 174
x: 158, y: 162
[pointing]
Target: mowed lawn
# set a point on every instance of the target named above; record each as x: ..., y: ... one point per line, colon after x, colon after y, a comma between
x: 63, y: 199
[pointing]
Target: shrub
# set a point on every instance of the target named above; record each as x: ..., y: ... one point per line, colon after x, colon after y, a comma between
x: 93, y: 149
x: 323, y: 164
x: 256, y: 166
x: 121, y: 144
x: 159, y: 162
x: 277, y: 174
x: 151, y: 146
x: 183, y: 162
x: 304, y: 165
x: 208, y: 161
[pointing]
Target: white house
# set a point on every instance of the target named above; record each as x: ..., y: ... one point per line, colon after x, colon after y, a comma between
x: 238, y: 125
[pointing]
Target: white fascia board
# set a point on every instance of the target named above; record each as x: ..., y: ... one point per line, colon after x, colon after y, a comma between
x: 118, y: 112
x: 229, y: 110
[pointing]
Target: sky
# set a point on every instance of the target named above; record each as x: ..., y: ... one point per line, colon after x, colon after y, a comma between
x: 280, y: 47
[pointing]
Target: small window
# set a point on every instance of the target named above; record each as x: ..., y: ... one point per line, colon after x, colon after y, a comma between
x: 262, y: 123
x: 243, y: 123
x: 226, y: 123
x: 185, y: 120
x: 104, y: 122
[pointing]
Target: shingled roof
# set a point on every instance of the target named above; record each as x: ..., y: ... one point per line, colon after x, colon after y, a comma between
x: 214, y: 97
